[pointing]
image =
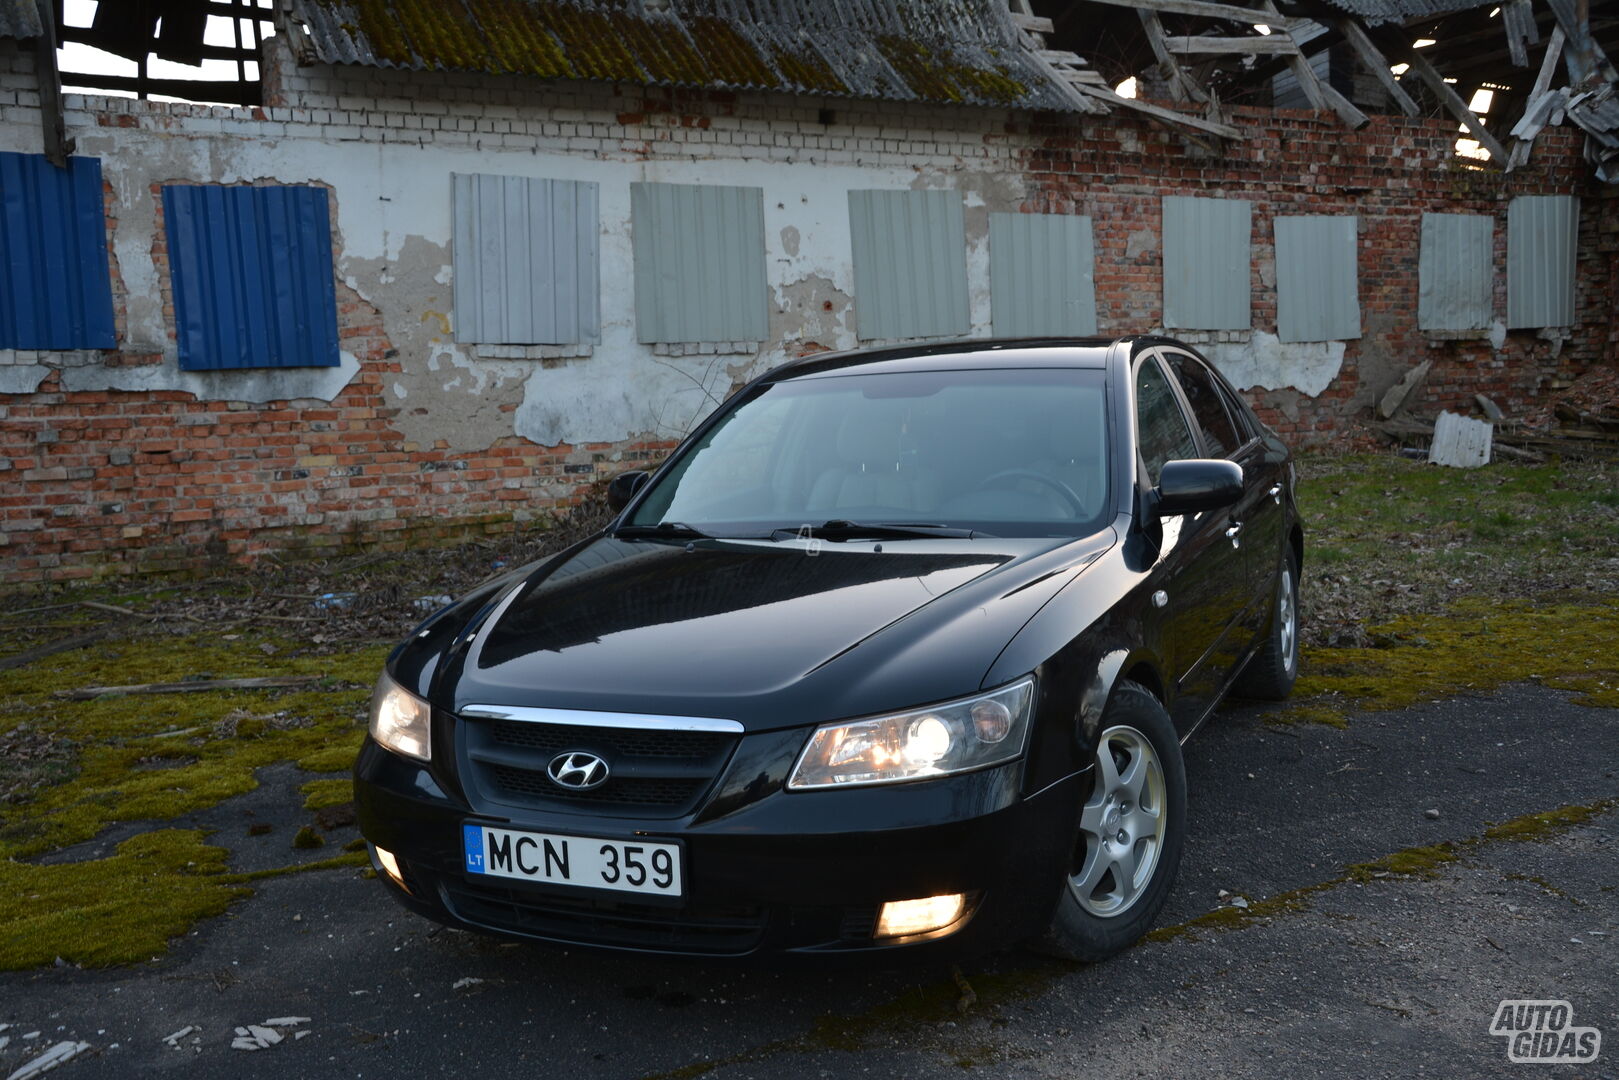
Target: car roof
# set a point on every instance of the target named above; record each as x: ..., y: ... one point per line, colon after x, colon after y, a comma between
x: 973, y: 353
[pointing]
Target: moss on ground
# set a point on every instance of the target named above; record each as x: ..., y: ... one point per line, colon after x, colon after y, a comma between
x: 214, y: 740
x: 1475, y: 647
x: 319, y: 794
x: 154, y: 758
x: 118, y: 910
x: 1411, y: 862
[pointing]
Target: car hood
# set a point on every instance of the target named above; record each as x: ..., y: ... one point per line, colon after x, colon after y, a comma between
x: 772, y: 634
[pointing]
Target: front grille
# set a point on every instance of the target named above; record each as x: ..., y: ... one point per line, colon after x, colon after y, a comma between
x: 651, y: 773
x: 589, y: 920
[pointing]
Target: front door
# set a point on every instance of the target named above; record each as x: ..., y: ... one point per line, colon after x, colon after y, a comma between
x: 1198, y: 584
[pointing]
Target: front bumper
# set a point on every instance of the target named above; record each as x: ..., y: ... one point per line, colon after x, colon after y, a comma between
x: 801, y: 872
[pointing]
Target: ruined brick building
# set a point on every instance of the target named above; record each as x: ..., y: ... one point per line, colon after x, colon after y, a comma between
x: 448, y: 261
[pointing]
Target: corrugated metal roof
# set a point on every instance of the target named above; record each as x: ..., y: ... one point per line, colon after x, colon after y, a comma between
x: 55, y: 287
x: 947, y: 51
x: 1383, y: 12
x: 20, y: 19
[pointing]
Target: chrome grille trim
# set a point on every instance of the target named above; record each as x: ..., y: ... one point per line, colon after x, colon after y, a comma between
x: 576, y: 718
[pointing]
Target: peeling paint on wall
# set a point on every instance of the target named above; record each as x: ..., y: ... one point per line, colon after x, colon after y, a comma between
x: 443, y: 393
x: 1264, y: 361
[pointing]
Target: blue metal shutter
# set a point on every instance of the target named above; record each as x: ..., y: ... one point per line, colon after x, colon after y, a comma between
x: 1542, y: 240
x: 251, y: 269
x: 699, y: 262
x: 910, y: 264
x: 526, y: 261
x: 1456, y: 272
x: 1208, y: 263
x: 1042, y: 275
x: 55, y: 285
x: 1317, y: 290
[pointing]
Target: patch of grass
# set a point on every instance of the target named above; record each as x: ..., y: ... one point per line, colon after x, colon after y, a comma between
x: 1475, y: 647
x: 1386, y: 537
x: 319, y: 794
x: 1412, y: 862
x: 1538, y: 826
x: 119, y: 910
x: 307, y: 838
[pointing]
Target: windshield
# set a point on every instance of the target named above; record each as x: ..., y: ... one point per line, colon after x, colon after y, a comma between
x: 1012, y: 452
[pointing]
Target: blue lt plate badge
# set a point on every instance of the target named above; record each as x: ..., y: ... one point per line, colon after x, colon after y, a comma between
x: 472, y: 841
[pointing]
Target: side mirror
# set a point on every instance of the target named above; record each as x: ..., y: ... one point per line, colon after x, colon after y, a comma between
x: 622, y: 488
x: 1190, y: 487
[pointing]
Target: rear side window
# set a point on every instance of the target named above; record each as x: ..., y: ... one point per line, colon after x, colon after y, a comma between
x: 1219, y: 433
x: 1164, y: 433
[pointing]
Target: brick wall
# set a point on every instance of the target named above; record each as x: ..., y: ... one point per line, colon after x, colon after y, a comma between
x: 115, y: 463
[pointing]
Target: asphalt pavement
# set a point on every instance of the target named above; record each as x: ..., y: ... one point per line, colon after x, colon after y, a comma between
x: 1388, y: 976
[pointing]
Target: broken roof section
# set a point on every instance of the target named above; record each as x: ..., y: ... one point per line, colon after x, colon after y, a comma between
x: 20, y: 19
x: 1400, y: 12
x: 961, y: 52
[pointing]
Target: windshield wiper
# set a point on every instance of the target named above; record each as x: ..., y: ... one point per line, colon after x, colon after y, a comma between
x: 841, y: 529
x: 669, y: 530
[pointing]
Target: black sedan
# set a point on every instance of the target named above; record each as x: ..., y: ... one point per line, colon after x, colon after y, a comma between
x: 895, y: 654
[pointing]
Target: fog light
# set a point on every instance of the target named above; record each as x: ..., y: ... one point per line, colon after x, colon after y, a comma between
x: 388, y: 865
x: 901, y: 918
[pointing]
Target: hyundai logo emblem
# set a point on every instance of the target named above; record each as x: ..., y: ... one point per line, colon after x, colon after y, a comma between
x: 577, y: 770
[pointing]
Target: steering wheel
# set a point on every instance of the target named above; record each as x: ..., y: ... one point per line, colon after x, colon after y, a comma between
x: 1068, y: 494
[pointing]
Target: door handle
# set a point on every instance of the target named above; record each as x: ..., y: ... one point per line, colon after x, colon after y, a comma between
x: 1231, y: 533
x: 1276, y: 492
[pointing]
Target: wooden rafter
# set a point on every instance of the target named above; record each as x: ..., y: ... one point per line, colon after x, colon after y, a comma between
x: 1377, y: 64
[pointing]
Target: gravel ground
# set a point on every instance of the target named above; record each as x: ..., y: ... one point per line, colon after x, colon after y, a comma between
x: 1395, y: 976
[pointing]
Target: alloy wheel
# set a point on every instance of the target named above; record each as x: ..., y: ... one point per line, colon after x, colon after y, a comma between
x: 1287, y: 618
x: 1121, y: 830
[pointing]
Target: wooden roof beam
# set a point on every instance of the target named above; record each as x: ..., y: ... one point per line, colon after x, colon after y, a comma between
x: 1209, y: 10
x: 1377, y: 63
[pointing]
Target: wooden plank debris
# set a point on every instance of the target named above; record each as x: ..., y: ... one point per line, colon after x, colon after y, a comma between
x: 1272, y: 45
x: 1399, y: 395
x: 1207, y: 9
x: 87, y: 693
x: 1225, y: 131
x: 1460, y: 441
x: 51, y: 648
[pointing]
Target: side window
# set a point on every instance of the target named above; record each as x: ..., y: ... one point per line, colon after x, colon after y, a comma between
x: 1164, y: 433
x: 1219, y: 433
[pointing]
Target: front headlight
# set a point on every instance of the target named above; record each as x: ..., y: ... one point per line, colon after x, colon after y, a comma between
x: 400, y: 720
x: 955, y: 737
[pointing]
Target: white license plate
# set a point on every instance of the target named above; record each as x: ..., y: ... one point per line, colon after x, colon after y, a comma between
x: 587, y: 861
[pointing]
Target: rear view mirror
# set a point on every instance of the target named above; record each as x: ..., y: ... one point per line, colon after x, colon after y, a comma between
x: 1189, y: 487
x: 622, y: 488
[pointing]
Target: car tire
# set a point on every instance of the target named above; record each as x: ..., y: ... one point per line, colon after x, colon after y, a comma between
x: 1274, y: 667
x: 1133, y: 823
